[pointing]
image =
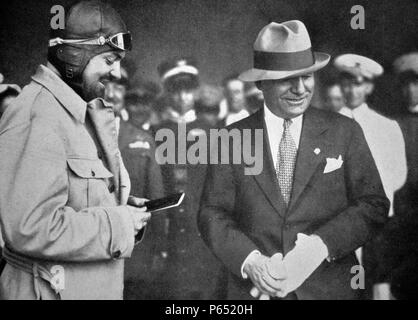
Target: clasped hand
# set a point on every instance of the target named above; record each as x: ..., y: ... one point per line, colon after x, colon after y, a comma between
x: 276, y: 276
x: 268, y: 275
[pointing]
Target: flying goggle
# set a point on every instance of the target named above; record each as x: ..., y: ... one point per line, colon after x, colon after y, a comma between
x: 121, y: 41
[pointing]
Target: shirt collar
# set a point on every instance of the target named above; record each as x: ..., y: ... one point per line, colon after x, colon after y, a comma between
x: 270, y: 117
x: 361, y: 110
x: 75, y: 105
x: 189, y: 116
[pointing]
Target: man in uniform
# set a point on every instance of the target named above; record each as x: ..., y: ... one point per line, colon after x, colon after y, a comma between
x: 63, y: 198
x: 383, y: 135
x: 402, y: 242
x: 137, y: 146
x: 406, y: 68
x: 386, y: 143
x: 192, y: 270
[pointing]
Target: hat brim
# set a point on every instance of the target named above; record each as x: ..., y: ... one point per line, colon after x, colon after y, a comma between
x: 252, y: 75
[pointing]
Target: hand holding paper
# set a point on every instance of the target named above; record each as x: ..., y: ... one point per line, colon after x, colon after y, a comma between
x: 298, y: 264
x: 302, y: 261
x: 264, y: 284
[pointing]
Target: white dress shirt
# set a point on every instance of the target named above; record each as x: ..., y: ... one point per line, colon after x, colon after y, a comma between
x: 236, y: 116
x: 274, y: 125
x: 385, y: 140
x: 345, y: 111
x: 187, y: 117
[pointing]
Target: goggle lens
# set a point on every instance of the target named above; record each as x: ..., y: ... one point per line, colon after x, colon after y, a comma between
x: 122, y: 41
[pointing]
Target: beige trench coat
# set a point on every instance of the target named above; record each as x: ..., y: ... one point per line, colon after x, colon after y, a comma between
x: 62, y: 191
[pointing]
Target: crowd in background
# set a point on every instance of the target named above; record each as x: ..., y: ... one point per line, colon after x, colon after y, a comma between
x: 173, y: 262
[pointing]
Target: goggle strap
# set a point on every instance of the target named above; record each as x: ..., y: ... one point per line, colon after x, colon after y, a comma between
x: 57, y: 41
x: 97, y: 41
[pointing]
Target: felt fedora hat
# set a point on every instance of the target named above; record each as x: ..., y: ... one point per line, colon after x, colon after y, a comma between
x: 284, y: 50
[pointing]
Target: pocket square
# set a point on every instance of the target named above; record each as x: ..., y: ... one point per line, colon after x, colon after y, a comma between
x: 140, y: 145
x: 333, y: 164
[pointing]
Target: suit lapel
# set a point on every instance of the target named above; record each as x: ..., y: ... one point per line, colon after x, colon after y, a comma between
x: 267, y: 179
x: 307, y: 159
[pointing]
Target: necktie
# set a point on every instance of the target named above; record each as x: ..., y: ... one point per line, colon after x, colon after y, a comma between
x: 286, y: 159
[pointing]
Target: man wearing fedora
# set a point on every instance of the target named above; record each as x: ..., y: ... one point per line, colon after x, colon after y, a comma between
x: 318, y: 198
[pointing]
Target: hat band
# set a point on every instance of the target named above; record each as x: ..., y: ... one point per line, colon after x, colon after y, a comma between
x: 283, y: 61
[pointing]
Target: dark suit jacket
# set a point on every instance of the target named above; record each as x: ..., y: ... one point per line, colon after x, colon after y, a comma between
x: 400, y: 248
x: 405, y: 198
x: 241, y: 213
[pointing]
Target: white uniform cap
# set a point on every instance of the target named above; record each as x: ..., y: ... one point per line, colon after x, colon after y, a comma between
x: 358, y: 66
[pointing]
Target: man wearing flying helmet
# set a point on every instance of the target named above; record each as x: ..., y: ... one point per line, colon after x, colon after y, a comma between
x: 63, y: 198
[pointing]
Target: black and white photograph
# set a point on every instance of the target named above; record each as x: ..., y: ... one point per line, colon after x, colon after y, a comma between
x: 209, y: 150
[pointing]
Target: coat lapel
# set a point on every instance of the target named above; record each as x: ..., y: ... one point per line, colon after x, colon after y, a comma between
x: 103, y: 120
x: 307, y: 160
x: 267, y: 179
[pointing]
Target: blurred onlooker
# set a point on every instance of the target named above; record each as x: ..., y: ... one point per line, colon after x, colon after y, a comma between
x: 234, y: 91
x: 406, y: 68
x: 207, y: 108
x: 334, y: 99
x: 115, y: 93
x: 139, y: 104
x: 386, y: 143
x: 208, y: 113
x: 383, y: 135
x: 133, y: 138
x: 404, y: 243
x: 192, y: 270
x: 7, y: 93
x: 143, y: 270
x: 254, y: 97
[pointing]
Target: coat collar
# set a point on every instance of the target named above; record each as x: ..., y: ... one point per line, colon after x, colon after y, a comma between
x: 104, y: 126
x: 71, y: 101
x: 266, y: 180
x: 306, y: 163
x: 313, y: 128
